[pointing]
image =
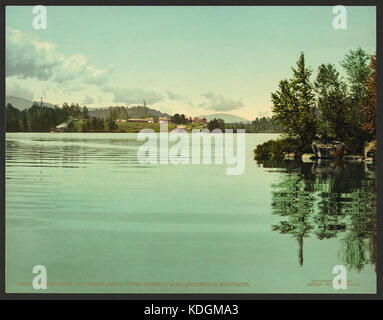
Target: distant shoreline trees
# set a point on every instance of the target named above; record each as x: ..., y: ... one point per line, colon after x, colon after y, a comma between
x: 180, y: 119
x: 40, y: 118
x: 259, y: 125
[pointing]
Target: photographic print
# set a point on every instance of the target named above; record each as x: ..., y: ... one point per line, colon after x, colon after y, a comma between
x: 191, y: 149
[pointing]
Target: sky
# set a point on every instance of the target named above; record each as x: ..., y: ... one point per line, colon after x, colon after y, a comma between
x: 191, y: 60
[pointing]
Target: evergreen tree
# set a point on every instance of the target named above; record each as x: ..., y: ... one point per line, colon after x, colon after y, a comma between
x: 294, y: 107
x: 112, y: 126
x: 216, y: 124
x: 85, y: 113
x: 12, y: 118
x: 358, y: 71
x: 332, y: 103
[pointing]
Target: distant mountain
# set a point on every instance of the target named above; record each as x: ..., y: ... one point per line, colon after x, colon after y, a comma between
x: 228, y: 118
x: 21, y: 103
x: 135, y: 112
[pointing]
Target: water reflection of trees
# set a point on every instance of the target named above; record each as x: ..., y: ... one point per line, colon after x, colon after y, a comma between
x: 328, y: 200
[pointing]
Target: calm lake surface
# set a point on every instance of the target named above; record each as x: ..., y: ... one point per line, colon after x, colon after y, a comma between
x: 82, y: 206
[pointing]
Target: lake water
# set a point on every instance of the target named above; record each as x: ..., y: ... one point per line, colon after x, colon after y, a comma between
x: 82, y: 206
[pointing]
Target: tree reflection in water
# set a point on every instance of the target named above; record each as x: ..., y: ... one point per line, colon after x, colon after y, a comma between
x: 328, y: 200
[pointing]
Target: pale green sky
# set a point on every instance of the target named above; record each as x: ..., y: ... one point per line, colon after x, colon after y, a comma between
x: 192, y: 60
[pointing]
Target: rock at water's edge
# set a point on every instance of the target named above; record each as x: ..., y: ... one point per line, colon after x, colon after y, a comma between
x: 309, y: 157
x: 327, y: 149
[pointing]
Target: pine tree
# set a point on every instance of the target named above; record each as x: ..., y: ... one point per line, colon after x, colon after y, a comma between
x: 332, y: 103
x: 294, y: 105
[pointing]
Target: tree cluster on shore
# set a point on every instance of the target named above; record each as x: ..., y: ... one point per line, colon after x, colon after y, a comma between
x: 328, y: 108
x: 40, y: 118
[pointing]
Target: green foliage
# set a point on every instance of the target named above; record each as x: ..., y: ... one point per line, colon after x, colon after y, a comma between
x: 179, y: 119
x: 111, y: 125
x: 95, y: 125
x: 73, y: 110
x: 332, y: 103
x: 216, y: 124
x: 294, y: 105
x: 358, y: 72
x: 13, y: 117
x: 85, y: 113
x: 276, y: 149
x: 335, y: 112
x: 357, y: 69
x: 369, y: 104
x: 40, y: 118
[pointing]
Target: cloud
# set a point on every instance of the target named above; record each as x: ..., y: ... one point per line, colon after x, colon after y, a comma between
x: 220, y: 103
x: 14, y: 89
x: 77, y: 67
x: 30, y: 58
x: 180, y: 98
x: 88, y: 100
x: 132, y: 96
x: 175, y: 96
